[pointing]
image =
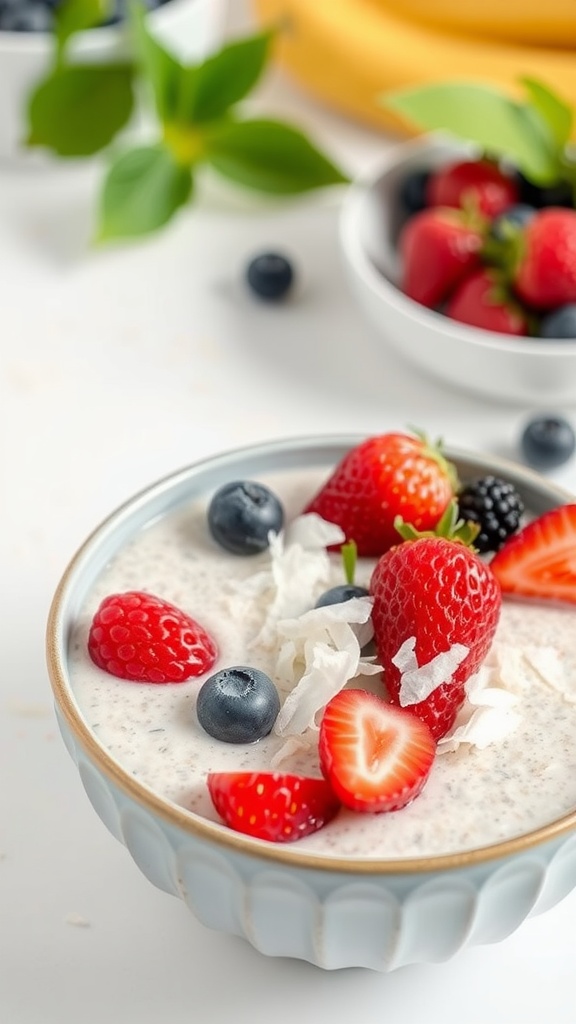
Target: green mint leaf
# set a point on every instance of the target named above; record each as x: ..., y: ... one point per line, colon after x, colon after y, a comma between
x: 77, y: 110
x: 161, y: 70
x: 555, y: 113
x: 227, y: 77
x: 142, y: 190
x: 269, y: 156
x: 76, y: 15
x: 482, y: 114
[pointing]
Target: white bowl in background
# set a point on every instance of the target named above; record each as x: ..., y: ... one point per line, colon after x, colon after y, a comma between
x: 333, y: 912
x: 191, y: 28
x: 523, y: 371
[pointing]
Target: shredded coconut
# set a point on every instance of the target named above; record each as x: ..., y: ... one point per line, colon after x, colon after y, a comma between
x: 546, y: 662
x: 322, y: 647
x: 487, y: 716
x: 77, y: 920
x: 299, y: 567
x: 417, y: 682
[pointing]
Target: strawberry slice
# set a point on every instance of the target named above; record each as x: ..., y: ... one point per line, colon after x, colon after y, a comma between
x: 540, y: 560
x: 376, y: 757
x: 270, y: 805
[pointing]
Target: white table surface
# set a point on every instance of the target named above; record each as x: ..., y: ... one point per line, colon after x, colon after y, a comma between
x: 117, y: 367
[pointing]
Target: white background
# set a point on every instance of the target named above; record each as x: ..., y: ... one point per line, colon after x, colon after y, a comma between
x: 117, y: 367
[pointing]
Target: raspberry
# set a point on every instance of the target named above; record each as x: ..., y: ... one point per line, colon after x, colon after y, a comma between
x: 496, y: 506
x: 145, y: 639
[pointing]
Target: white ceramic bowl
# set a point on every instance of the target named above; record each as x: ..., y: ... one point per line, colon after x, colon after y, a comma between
x: 191, y: 27
x: 523, y: 371
x: 378, y: 914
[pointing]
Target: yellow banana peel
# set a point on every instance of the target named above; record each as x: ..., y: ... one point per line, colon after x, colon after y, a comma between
x: 348, y: 53
x: 537, y: 22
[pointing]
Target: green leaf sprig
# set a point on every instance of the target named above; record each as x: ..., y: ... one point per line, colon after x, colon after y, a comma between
x: 78, y: 109
x: 533, y: 133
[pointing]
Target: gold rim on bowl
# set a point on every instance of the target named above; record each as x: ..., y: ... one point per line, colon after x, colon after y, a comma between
x: 194, y: 824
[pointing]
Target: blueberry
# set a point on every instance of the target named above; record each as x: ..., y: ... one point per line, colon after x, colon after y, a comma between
x: 412, y: 192
x: 518, y: 216
x: 560, y: 194
x: 548, y: 441
x: 344, y: 592
x: 238, y: 705
x: 270, y: 276
x: 27, y: 17
x: 38, y: 15
x: 241, y: 514
x: 561, y: 323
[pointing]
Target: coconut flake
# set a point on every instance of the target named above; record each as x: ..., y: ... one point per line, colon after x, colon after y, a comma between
x: 323, y: 647
x: 547, y: 663
x: 313, y: 533
x: 418, y: 682
x: 487, y: 716
x: 299, y: 567
x: 510, y: 667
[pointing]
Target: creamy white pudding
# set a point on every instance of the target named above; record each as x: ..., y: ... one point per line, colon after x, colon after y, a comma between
x: 475, y: 796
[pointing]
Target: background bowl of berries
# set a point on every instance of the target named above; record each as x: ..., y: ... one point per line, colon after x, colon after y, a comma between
x: 344, y: 735
x: 462, y: 249
x: 28, y: 30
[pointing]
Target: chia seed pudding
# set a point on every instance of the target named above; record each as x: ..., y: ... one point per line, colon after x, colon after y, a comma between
x: 514, y: 780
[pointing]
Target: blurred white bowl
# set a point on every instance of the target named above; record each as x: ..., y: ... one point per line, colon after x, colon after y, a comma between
x: 333, y: 911
x: 191, y: 28
x: 529, y: 371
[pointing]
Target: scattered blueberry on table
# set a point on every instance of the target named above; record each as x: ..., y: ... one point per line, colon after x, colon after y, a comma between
x: 238, y: 705
x: 548, y: 441
x: 270, y: 276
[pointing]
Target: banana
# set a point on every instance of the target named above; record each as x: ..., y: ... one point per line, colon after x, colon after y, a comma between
x: 348, y: 53
x: 550, y: 23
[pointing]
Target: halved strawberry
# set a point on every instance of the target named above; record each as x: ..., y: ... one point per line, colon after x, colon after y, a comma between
x: 376, y: 757
x: 540, y: 560
x: 272, y: 805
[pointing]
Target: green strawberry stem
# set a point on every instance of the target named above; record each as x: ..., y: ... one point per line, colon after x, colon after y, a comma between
x: 349, y: 552
x: 449, y: 526
x: 433, y: 449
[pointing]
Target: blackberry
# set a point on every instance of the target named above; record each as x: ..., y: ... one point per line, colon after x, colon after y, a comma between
x: 496, y: 505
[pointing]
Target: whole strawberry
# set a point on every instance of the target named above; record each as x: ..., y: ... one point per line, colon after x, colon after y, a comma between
x: 436, y: 608
x: 383, y: 477
x: 482, y: 300
x: 545, y: 273
x: 145, y: 639
x: 480, y: 184
x: 438, y: 247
